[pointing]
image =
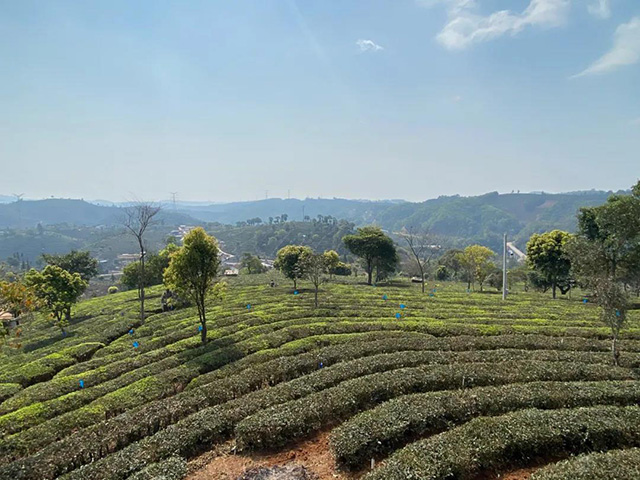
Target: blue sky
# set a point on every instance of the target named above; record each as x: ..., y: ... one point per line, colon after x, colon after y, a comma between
x: 226, y: 100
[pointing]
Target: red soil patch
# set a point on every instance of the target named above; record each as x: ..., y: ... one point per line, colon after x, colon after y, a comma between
x: 313, y: 454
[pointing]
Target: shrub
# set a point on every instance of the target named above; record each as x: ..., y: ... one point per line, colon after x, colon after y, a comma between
x: 112, y: 289
x: 618, y: 464
x: 173, y: 468
x: 496, y: 443
x: 282, y: 423
x: 8, y: 389
x: 380, y: 430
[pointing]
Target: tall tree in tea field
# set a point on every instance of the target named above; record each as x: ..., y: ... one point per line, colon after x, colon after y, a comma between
x: 192, y: 272
x: 290, y: 261
x: 137, y: 220
x: 376, y: 250
x: 547, y: 254
x: 57, y: 291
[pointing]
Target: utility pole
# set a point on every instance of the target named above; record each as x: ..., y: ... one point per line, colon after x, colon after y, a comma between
x: 303, y: 212
x: 504, y: 268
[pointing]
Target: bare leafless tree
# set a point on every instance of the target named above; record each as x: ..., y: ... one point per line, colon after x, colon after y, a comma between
x: 137, y: 218
x: 422, y: 248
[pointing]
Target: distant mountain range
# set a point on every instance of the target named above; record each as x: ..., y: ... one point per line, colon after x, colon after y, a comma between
x: 480, y: 219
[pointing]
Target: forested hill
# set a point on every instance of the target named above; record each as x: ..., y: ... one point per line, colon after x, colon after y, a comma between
x: 30, y: 213
x: 480, y: 219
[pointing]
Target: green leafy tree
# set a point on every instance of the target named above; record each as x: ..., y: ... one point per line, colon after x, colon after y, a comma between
x: 547, y: 255
x: 80, y: 262
x: 604, y: 252
x: 332, y: 261
x: 476, y: 260
x: 57, y: 290
x: 342, y: 269
x: 192, y: 272
x: 376, y: 250
x: 252, y: 264
x: 315, y: 269
x: 614, y: 226
x: 451, y: 261
x: 155, y: 266
x: 290, y: 261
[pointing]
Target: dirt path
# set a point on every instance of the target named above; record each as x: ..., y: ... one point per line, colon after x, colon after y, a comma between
x: 313, y: 454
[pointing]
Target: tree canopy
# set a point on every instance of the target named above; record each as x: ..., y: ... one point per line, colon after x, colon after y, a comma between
x: 376, y: 250
x: 290, y: 260
x: 547, y: 254
x: 57, y: 290
x: 192, y: 272
x: 80, y: 262
x: 476, y: 260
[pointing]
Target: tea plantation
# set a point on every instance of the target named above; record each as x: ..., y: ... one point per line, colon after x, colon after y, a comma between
x: 460, y: 385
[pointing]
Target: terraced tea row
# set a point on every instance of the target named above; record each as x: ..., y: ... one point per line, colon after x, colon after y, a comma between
x: 171, y: 396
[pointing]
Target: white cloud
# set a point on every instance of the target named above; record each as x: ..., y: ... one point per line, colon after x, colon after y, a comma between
x: 600, y: 8
x: 466, y: 27
x: 625, y: 50
x: 457, y: 99
x: 368, y: 46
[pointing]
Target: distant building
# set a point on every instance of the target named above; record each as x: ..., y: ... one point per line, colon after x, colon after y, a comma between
x: 181, y: 231
x: 231, y: 272
x: 125, y: 259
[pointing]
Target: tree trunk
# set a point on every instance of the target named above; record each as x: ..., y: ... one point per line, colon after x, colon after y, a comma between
x: 295, y: 283
x: 141, y: 280
x: 203, y: 332
x: 615, y: 351
x: 422, y: 278
x: 554, y: 290
x: 316, y: 296
x: 67, y: 314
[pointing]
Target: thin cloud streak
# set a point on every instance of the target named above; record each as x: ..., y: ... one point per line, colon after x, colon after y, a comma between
x: 466, y: 27
x: 625, y: 50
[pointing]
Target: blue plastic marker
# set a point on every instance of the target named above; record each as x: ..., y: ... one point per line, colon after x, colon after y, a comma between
x: 431, y: 295
x: 64, y: 334
x: 136, y: 344
x: 199, y: 328
x: 402, y: 305
x: 321, y: 364
x: 585, y: 300
x: 384, y: 297
x: 131, y: 332
x: 617, y: 313
x: 248, y: 306
x: 296, y: 292
x: 398, y: 316
x: 81, y: 383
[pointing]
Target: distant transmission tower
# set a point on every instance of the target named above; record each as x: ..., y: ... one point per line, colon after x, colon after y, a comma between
x: 173, y: 198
